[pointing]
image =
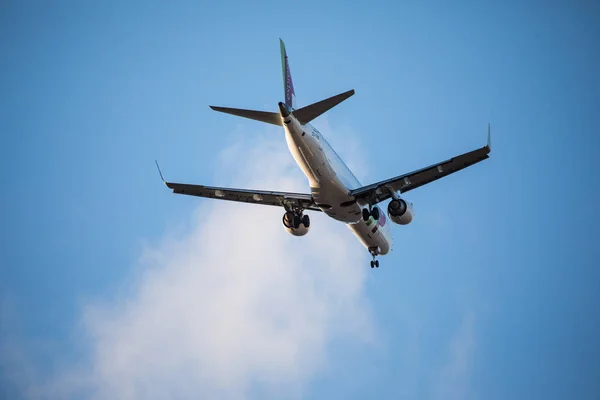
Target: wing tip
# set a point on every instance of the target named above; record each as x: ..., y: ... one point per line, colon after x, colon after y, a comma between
x: 489, y: 138
x: 159, y: 171
x: 161, y: 175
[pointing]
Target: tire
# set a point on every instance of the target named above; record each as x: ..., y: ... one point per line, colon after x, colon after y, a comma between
x: 375, y: 213
x: 306, y: 220
x: 288, y: 219
x: 366, y: 214
x: 297, y: 221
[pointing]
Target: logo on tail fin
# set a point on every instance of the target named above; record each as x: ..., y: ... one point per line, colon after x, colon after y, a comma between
x: 289, y: 86
x: 290, y: 95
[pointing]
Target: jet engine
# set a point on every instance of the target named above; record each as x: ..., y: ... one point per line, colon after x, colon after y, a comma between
x: 400, y: 211
x: 296, y: 224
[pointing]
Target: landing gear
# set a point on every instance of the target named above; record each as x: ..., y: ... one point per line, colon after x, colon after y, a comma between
x: 374, y: 263
x: 293, y: 219
x: 370, y: 212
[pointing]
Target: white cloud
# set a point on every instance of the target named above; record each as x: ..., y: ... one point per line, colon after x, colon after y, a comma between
x: 236, y: 308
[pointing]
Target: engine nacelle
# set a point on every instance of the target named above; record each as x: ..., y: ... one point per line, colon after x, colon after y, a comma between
x: 296, y: 224
x: 400, y: 212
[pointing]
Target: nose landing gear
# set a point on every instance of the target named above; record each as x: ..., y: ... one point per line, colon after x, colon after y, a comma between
x: 374, y: 263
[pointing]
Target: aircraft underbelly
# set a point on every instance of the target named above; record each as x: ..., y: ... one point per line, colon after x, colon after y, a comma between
x: 331, y: 200
x: 327, y: 190
x: 332, y: 194
x: 371, y: 236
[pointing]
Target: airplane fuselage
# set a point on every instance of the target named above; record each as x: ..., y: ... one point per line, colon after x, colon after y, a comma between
x: 331, y: 181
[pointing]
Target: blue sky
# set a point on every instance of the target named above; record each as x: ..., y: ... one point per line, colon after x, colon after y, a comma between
x: 490, y: 293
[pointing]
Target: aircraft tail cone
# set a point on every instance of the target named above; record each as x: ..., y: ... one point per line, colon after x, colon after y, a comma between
x: 285, y: 112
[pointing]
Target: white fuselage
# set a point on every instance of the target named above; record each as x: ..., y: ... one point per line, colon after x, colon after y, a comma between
x: 331, y: 182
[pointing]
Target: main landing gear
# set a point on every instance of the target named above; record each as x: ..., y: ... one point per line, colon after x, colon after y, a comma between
x: 370, y: 212
x: 374, y: 263
x: 293, y: 219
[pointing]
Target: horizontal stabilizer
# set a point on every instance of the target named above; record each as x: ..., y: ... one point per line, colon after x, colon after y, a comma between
x: 308, y: 113
x: 262, y: 116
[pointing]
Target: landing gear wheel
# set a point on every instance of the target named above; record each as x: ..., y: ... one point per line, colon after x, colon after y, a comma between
x: 375, y: 213
x: 306, y: 220
x: 366, y: 214
x: 376, y: 263
x: 297, y: 221
x: 288, y: 219
x: 372, y: 264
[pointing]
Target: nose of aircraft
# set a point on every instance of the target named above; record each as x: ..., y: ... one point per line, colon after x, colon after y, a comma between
x: 283, y: 109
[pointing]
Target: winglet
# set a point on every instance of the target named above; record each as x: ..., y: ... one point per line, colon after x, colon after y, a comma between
x: 489, y: 138
x: 160, y: 172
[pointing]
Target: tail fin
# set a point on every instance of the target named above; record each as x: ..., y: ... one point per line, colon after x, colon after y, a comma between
x: 304, y: 114
x: 288, y: 85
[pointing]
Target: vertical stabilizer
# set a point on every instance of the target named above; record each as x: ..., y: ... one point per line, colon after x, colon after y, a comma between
x: 288, y: 85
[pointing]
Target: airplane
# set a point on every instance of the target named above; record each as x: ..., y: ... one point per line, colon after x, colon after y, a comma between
x: 334, y: 190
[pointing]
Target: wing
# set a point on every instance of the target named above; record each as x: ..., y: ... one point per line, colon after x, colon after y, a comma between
x: 269, y: 198
x: 380, y: 191
x: 305, y: 201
